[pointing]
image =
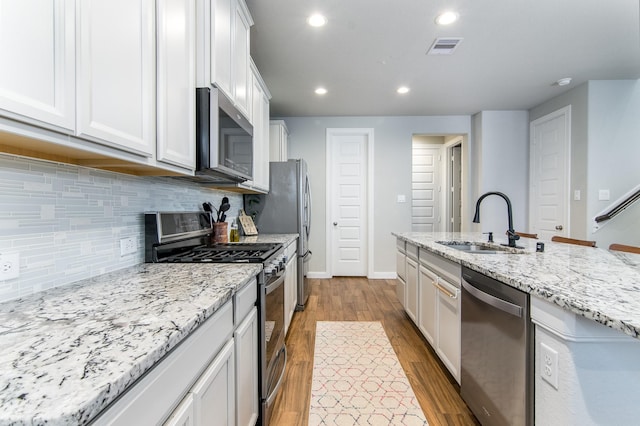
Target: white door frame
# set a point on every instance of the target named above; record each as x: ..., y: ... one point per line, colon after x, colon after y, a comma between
x: 566, y: 112
x: 329, y: 204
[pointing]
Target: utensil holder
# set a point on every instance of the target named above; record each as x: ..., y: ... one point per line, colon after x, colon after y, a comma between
x: 220, y: 234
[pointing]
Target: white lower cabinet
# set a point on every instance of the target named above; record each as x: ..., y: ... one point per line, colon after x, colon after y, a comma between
x: 214, y: 392
x: 246, y: 340
x: 290, y: 285
x: 428, y: 294
x: 183, y: 415
x: 401, y: 270
x: 211, y: 378
x: 439, y: 314
x: 411, y: 290
x: 153, y: 399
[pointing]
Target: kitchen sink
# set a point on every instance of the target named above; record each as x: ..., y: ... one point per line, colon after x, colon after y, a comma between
x: 479, y: 248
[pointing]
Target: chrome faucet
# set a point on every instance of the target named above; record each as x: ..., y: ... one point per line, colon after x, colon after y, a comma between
x: 513, y: 237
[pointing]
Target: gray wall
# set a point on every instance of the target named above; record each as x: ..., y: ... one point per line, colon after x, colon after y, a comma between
x: 392, y: 175
x: 614, y: 157
x: 66, y: 222
x: 501, y: 163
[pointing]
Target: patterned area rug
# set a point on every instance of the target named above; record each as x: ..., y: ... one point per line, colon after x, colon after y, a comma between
x: 357, y: 378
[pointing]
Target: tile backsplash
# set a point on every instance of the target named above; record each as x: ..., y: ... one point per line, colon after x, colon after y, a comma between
x: 66, y: 222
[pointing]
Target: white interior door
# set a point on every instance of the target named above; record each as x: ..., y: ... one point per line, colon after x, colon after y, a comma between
x: 550, y: 154
x: 348, y: 174
x: 425, y: 187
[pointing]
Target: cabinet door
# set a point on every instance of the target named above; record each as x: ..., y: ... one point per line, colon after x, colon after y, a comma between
x: 401, y: 265
x: 37, y: 47
x: 260, y: 104
x: 183, y: 415
x: 176, y: 92
x: 427, y: 306
x: 449, y: 317
x: 278, y: 140
x: 116, y: 74
x: 240, y: 53
x: 246, y: 341
x: 214, y: 392
x: 411, y: 296
x: 222, y: 13
x: 292, y: 271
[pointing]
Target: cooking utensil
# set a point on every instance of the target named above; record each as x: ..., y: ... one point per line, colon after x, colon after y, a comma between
x: 208, y: 207
x: 223, y: 208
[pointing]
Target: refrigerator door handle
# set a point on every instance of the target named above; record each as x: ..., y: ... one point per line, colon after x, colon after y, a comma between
x: 307, y: 191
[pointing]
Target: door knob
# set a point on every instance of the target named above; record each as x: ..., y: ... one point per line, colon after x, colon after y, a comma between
x: 335, y: 223
x: 559, y: 228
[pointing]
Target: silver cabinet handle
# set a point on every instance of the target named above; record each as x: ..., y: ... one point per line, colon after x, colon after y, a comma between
x: 335, y: 223
x: 559, y: 227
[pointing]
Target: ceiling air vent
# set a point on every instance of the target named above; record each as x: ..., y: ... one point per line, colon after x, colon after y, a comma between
x: 444, y: 46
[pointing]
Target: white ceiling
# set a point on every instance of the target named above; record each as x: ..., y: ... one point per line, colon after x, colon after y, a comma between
x: 512, y: 53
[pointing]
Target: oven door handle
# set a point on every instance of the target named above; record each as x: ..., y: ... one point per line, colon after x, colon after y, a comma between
x: 274, y: 392
x: 271, y: 287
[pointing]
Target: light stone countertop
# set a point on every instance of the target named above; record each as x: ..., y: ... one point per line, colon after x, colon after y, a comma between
x: 596, y: 283
x: 284, y: 239
x: 66, y: 353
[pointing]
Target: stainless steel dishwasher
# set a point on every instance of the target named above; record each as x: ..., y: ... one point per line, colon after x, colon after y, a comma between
x: 496, y: 344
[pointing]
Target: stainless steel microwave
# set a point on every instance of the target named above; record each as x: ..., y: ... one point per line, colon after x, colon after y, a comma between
x: 224, y: 139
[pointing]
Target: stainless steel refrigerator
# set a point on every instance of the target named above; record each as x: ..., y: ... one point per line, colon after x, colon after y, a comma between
x: 287, y: 209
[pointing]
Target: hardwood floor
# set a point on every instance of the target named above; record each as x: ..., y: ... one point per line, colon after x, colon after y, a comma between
x: 360, y: 299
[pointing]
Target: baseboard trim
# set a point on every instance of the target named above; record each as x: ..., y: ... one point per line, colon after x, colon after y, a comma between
x: 376, y: 275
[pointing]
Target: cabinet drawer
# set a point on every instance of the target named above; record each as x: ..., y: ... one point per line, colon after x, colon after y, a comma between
x: 401, y: 245
x: 412, y: 251
x: 441, y: 266
x: 245, y: 300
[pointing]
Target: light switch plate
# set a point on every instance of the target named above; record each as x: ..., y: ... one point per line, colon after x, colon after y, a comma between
x: 603, y: 195
x: 576, y: 195
x: 402, y: 198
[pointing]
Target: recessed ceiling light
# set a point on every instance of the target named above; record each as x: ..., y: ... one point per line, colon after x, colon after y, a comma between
x: 563, y: 81
x: 447, y: 18
x: 403, y: 89
x: 317, y: 20
x: 321, y: 91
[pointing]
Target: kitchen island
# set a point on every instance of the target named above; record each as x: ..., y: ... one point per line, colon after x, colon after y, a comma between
x: 67, y: 353
x: 585, y: 306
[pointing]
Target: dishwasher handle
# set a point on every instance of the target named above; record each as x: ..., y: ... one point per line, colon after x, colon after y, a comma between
x: 496, y: 302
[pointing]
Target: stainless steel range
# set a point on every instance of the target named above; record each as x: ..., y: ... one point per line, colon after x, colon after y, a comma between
x: 185, y: 237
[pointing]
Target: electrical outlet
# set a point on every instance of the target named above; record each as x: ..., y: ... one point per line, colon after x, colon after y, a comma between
x: 9, y: 266
x: 127, y: 246
x: 549, y: 365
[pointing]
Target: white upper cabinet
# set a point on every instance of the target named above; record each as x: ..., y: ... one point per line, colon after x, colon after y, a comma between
x: 240, y: 56
x: 224, y: 49
x: 117, y: 74
x: 222, y: 14
x: 176, y: 137
x: 37, y: 47
x: 278, y: 141
x: 260, y: 120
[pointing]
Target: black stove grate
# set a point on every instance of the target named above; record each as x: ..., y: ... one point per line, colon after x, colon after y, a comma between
x: 225, y: 253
